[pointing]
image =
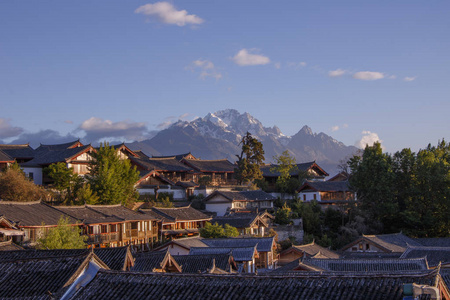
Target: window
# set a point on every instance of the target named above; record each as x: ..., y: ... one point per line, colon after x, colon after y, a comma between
x: 315, y: 196
x: 31, y: 175
x: 304, y: 197
x: 104, y: 228
x: 113, y: 228
x: 134, y: 225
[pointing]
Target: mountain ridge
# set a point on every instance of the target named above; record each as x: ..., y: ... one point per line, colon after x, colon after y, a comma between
x: 218, y: 134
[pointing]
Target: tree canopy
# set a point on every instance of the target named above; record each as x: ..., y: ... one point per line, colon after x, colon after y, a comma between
x: 250, y: 160
x: 63, y: 236
x: 285, y: 165
x: 211, y: 231
x: 113, y: 179
x: 15, y: 186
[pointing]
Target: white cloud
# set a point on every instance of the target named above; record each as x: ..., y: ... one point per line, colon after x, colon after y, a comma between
x: 168, y: 14
x: 337, y: 73
x: 245, y: 58
x: 297, y: 65
x: 392, y: 77
x: 409, y: 78
x: 337, y: 127
x: 7, y: 131
x: 277, y: 65
x: 368, y: 138
x: 206, y: 67
x: 97, y: 129
x: 367, y: 75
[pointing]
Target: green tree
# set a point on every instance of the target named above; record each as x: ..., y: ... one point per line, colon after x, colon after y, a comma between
x: 211, y: 231
x: 250, y: 160
x: 111, y: 178
x: 230, y: 231
x: 372, y: 178
x: 283, y: 215
x: 85, y: 195
x: 63, y: 236
x: 65, y: 181
x: 15, y: 186
x: 285, y: 165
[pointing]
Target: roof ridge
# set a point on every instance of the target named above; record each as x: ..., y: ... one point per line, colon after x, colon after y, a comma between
x: 20, y: 202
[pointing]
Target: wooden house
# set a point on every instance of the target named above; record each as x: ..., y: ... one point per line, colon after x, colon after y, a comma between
x: 221, y: 202
x: 382, y: 243
x: 309, y: 170
x: 5, y: 160
x: 245, y: 257
x: 74, y: 154
x: 181, y: 246
x: 179, y: 221
x: 33, y: 218
x: 327, y: 192
x: 247, y: 223
x: 220, y: 171
x: 20, y: 153
x: 307, y: 250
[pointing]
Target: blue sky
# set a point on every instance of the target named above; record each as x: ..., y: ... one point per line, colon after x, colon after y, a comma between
x: 356, y: 70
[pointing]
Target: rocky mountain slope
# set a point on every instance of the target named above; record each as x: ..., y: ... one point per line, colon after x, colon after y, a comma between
x: 218, y: 134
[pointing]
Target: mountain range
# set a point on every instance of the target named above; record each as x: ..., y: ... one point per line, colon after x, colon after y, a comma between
x: 218, y: 134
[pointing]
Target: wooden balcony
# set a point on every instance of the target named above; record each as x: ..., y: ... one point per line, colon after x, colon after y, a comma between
x: 103, y: 238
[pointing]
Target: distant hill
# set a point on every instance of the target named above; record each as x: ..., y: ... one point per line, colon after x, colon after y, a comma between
x: 218, y: 134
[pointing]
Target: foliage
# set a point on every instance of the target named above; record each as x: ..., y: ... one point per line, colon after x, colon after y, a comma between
x: 406, y: 191
x: 63, y: 236
x: 283, y: 215
x: 112, y: 178
x: 65, y: 181
x: 164, y: 202
x: 230, y: 231
x: 85, y: 195
x: 211, y: 231
x: 15, y: 186
x: 204, y: 180
x: 250, y: 160
x: 285, y: 165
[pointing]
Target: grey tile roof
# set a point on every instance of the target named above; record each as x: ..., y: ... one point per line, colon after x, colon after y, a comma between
x: 243, y: 195
x: 313, y: 249
x: 120, y: 285
x: 434, y: 255
x: 240, y: 254
x: 434, y: 242
x: 8, y: 246
x: 88, y: 215
x: 366, y: 255
x: 180, y: 213
x: 49, y: 155
x: 220, y: 165
x: 396, y: 242
x: 161, y: 164
x: 18, y: 151
x: 203, y: 263
x: 5, y: 157
x: 147, y: 261
x: 36, y: 278
x: 114, y: 258
x: 187, y: 243
x: 121, y: 212
x: 367, y: 265
x: 178, y: 157
x: 236, y: 220
x: 263, y: 244
x: 326, y: 186
x: 32, y: 213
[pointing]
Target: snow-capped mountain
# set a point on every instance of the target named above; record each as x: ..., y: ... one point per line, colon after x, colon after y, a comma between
x: 217, y: 135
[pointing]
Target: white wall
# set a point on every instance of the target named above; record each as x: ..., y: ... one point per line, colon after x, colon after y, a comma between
x: 218, y: 204
x: 37, y: 174
x: 309, y: 196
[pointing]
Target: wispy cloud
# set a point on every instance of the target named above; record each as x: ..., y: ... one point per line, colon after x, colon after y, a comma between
x: 245, y: 58
x: 166, y: 13
x: 7, y: 130
x: 68, y: 121
x: 337, y: 127
x: 368, y: 138
x: 277, y: 65
x: 409, y: 78
x: 297, y: 65
x: 337, y: 73
x: 368, y: 75
x: 206, y: 68
x: 97, y: 129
